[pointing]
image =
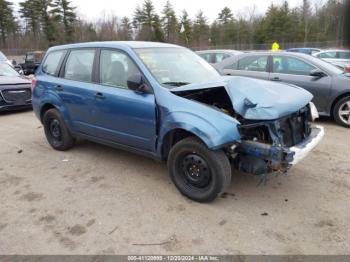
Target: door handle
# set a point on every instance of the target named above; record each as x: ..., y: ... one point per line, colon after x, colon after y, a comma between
x: 276, y: 79
x: 59, y: 88
x: 99, y: 95
x: 228, y: 74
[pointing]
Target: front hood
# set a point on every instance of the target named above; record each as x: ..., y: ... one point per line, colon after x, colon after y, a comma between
x: 13, y: 80
x: 257, y: 99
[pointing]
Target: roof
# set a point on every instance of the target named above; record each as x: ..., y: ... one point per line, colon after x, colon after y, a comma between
x: 218, y: 50
x: 117, y: 44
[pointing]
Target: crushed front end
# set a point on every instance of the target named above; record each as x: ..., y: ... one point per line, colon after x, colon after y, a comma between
x: 275, y: 145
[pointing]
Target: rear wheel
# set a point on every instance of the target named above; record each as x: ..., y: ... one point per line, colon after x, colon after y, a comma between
x: 341, y: 112
x: 198, y: 173
x: 56, y: 131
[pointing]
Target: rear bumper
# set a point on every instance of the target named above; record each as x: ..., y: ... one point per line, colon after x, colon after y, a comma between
x: 301, y: 150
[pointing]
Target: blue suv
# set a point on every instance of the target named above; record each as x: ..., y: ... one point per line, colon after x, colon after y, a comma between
x: 166, y: 102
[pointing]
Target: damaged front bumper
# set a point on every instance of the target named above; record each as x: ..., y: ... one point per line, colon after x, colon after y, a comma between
x: 261, y: 158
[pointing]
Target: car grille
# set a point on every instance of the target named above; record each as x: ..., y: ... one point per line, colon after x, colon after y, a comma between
x: 295, y: 128
x: 17, y: 95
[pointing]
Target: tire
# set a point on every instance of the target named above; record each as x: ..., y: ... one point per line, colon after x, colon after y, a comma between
x: 341, y: 112
x: 56, y: 131
x: 198, y: 173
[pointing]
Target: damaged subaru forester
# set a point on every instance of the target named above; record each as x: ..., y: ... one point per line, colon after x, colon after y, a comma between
x: 166, y: 102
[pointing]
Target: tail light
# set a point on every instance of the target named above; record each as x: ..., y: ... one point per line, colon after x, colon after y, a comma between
x: 347, y: 68
x: 33, y: 83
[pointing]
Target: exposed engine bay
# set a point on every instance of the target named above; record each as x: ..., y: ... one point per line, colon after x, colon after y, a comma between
x: 264, y: 145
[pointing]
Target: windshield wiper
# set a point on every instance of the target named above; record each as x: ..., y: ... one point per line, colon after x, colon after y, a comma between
x: 176, y: 83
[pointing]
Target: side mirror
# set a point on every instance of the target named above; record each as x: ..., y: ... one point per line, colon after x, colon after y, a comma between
x: 317, y: 73
x: 136, y: 83
x: 14, y: 63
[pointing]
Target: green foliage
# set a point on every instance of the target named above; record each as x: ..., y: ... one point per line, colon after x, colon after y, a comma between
x: 51, y: 22
x: 7, y: 21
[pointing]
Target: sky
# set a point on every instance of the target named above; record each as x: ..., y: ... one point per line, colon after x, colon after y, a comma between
x: 93, y: 9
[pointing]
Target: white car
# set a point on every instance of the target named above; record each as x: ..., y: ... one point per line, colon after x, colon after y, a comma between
x: 3, y: 58
x: 339, y: 58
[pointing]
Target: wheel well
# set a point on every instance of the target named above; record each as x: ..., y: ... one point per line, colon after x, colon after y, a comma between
x: 336, y: 101
x: 44, y: 109
x: 171, y: 138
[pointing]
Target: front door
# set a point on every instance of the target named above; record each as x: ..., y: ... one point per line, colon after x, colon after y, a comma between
x: 123, y: 115
x: 296, y: 71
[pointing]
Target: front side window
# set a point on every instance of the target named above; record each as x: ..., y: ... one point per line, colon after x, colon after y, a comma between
x: 344, y: 55
x: 115, y: 68
x: 253, y: 63
x: 291, y: 65
x: 79, y: 65
x: 327, y: 55
x: 173, y: 66
x: 52, y: 62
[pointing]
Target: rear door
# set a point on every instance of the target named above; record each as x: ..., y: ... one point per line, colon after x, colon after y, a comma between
x: 76, y: 89
x: 123, y: 115
x: 297, y: 71
x: 251, y: 66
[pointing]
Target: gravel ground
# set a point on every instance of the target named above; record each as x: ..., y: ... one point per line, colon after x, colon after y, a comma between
x: 99, y: 200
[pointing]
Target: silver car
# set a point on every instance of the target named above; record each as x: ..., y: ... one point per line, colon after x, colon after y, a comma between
x: 329, y: 84
x: 339, y: 58
x: 218, y: 55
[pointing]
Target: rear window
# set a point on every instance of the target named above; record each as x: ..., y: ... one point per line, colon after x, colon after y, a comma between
x: 253, y: 63
x: 52, y: 62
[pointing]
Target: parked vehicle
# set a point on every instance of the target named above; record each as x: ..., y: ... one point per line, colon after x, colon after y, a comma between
x: 329, y: 85
x: 336, y: 57
x: 304, y: 50
x: 32, y: 61
x: 164, y: 101
x: 3, y: 58
x: 217, y: 56
x: 15, y: 92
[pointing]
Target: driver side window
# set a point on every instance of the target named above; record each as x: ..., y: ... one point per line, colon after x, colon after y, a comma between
x: 291, y: 65
x: 115, y: 68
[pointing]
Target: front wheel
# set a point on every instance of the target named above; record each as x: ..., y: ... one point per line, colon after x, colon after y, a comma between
x: 198, y: 173
x: 342, y: 112
x: 56, y: 131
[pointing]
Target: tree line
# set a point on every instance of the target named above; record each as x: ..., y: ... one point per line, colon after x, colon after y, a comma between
x: 44, y: 23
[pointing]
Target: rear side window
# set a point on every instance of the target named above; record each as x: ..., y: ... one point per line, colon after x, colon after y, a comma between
x: 206, y: 57
x: 79, y: 65
x: 253, y: 63
x: 220, y: 57
x: 52, y: 62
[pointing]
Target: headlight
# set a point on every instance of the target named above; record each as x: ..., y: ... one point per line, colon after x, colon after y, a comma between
x: 313, y: 111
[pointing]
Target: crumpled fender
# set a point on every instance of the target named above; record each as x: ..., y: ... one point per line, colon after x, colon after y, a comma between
x: 215, y: 136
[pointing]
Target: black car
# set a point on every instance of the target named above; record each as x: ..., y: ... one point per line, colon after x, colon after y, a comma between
x: 15, y: 90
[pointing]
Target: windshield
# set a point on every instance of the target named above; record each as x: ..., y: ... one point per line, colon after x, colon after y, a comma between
x: 176, y: 66
x: 6, y: 70
x: 326, y: 65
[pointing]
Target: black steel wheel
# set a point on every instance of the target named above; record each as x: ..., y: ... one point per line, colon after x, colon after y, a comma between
x: 198, y: 173
x: 56, y: 131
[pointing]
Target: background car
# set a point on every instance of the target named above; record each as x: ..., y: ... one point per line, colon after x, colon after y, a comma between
x: 217, y: 56
x: 304, y: 50
x: 329, y: 85
x: 32, y: 61
x: 336, y: 57
x: 15, y: 92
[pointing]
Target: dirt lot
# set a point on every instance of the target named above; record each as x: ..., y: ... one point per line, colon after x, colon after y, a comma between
x: 94, y: 199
